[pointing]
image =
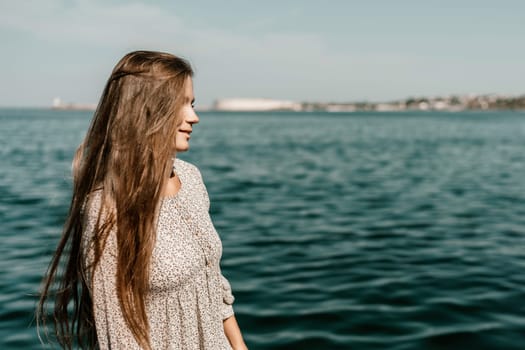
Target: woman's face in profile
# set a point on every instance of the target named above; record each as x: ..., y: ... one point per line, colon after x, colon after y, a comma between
x: 189, y: 117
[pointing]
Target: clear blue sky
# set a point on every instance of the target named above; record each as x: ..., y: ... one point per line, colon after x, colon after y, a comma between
x: 295, y: 50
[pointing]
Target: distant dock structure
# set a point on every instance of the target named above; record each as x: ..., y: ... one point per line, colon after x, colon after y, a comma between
x: 58, y: 104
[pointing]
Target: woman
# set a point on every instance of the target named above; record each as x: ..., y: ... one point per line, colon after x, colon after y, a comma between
x: 142, y: 255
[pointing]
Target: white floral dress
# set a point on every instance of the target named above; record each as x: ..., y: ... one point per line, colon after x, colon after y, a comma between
x: 189, y: 297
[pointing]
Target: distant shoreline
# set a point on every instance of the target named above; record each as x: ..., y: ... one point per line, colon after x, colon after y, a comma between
x: 452, y: 103
x: 209, y: 110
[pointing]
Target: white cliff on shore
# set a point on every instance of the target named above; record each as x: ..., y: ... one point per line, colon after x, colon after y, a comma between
x: 59, y: 104
x: 255, y: 104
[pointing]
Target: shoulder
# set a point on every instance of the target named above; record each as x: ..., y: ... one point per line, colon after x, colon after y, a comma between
x: 96, y: 206
x: 182, y: 166
x: 91, y: 204
x: 192, y: 177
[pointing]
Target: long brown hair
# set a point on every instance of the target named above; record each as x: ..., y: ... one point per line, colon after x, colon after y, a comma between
x: 126, y: 153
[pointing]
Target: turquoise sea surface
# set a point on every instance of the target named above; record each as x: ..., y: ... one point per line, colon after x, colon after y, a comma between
x: 340, y: 231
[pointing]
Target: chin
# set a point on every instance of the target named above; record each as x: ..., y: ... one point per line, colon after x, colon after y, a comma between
x: 183, y: 148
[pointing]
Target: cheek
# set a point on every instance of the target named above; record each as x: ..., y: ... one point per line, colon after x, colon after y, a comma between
x: 187, y: 112
x: 180, y: 138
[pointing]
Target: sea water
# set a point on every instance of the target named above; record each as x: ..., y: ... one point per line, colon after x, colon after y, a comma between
x: 340, y: 231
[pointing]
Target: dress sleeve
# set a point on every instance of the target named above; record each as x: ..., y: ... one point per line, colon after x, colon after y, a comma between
x: 112, y: 330
x: 226, y: 290
x: 227, y: 298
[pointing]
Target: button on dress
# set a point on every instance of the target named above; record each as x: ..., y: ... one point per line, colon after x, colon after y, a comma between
x: 188, y: 298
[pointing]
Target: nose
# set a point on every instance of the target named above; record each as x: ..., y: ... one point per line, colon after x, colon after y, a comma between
x: 192, y: 118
